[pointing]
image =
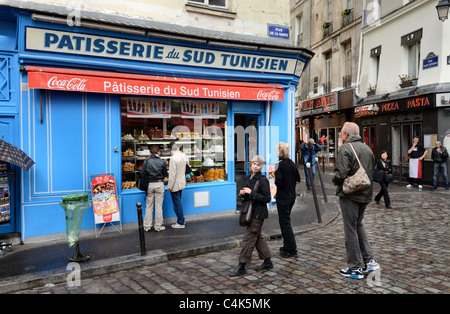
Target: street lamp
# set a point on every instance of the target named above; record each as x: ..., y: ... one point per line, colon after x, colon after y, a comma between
x: 442, y: 9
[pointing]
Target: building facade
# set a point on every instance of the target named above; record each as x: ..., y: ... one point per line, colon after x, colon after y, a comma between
x: 87, y: 90
x: 404, y: 81
x: 326, y: 95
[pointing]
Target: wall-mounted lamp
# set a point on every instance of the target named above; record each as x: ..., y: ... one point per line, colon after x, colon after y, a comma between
x: 442, y: 9
x: 414, y: 91
x: 386, y: 97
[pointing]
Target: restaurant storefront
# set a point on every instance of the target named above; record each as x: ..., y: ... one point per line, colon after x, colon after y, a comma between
x: 391, y: 125
x: 92, y: 101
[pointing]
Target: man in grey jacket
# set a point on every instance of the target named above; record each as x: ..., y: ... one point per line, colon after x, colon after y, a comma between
x: 354, y: 205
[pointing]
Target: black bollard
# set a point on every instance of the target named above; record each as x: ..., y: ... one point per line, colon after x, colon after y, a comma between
x: 321, y: 182
x: 316, y: 202
x: 141, y: 229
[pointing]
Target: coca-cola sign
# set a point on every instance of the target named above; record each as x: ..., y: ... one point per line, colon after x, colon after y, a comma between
x: 75, y: 84
x: 133, y: 84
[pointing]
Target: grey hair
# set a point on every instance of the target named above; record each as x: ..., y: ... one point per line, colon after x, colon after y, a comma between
x: 351, y: 128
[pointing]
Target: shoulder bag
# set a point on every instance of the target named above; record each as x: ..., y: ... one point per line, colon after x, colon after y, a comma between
x: 143, y: 179
x: 359, y: 181
x: 246, y: 212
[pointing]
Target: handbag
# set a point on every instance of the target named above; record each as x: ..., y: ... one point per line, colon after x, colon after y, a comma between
x: 189, y: 173
x: 378, y: 175
x: 143, y: 179
x: 388, y: 177
x: 246, y: 212
x: 359, y: 181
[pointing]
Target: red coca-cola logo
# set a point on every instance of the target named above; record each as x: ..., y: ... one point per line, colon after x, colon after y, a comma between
x: 75, y: 84
x: 268, y: 95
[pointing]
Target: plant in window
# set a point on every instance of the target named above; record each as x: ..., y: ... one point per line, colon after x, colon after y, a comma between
x: 346, y: 13
x: 404, y: 78
x: 407, y: 81
x: 326, y: 24
x: 371, y: 90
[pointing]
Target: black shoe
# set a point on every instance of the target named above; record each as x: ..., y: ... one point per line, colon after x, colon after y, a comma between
x: 286, y: 254
x: 240, y: 270
x: 266, y: 265
x: 434, y: 187
x: 388, y: 206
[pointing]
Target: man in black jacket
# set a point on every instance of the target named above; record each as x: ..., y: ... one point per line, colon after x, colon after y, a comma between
x: 439, y: 155
x: 286, y: 177
x: 156, y: 169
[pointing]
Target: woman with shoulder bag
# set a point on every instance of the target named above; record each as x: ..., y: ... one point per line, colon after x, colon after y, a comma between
x: 252, y: 237
x: 384, y: 165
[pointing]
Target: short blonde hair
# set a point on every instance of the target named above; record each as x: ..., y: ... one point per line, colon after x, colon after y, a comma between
x: 283, y: 149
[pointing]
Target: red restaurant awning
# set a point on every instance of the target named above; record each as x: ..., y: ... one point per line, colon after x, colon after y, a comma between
x: 136, y: 84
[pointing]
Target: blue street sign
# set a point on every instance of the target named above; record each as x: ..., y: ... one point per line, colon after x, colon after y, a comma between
x: 278, y: 31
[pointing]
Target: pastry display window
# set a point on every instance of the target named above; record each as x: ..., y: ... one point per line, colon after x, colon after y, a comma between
x: 196, y: 126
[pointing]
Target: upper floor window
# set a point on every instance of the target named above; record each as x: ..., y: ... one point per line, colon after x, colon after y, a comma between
x: 212, y: 3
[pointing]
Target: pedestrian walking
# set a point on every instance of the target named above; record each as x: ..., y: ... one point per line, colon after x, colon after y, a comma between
x: 353, y: 205
x: 177, y: 183
x: 439, y: 154
x: 156, y: 169
x: 309, y: 155
x: 416, y: 154
x: 286, y: 178
x: 384, y: 165
x: 253, y: 237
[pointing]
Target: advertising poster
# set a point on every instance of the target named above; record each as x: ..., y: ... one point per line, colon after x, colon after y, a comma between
x: 273, y: 187
x: 200, y: 109
x: 104, y: 199
x: 148, y: 108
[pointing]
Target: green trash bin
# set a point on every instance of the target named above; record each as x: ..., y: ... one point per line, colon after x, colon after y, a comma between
x: 74, y: 206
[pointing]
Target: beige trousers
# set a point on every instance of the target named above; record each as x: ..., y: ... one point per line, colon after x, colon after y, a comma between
x: 155, y: 196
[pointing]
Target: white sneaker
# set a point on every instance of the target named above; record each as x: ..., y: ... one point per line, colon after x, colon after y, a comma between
x: 178, y: 226
x: 162, y: 228
x: 420, y: 186
x: 409, y: 186
x: 371, y: 266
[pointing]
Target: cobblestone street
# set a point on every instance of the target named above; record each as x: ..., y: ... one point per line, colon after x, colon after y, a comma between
x: 410, y: 243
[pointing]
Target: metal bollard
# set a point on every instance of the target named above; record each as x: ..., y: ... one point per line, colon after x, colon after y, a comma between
x: 321, y: 181
x: 141, y: 229
x: 316, y: 202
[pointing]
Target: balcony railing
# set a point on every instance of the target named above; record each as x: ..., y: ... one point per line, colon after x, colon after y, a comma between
x: 347, y: 17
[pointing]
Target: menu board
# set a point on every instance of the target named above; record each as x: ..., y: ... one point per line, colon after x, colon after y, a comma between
x: 104, y: 199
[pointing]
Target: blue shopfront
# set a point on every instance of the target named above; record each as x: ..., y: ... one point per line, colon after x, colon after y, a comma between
x: 83, y: 101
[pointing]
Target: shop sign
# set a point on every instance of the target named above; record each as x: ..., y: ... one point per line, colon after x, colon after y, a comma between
x: 408, y: 104
x: 148, y: 108
x: 318, y: 105
x: 367, y: 110
x: 114, y: 83
x: 443, y: 100
x: 104, y: 199
x: 47, y: 40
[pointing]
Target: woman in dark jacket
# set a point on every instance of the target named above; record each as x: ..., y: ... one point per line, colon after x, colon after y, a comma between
x: 384, y: 164
x: 252, y: 237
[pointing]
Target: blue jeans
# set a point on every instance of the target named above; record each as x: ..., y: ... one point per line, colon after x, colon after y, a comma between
x: 177, y: 206
x: 308, y: 180
x: 440, y: 166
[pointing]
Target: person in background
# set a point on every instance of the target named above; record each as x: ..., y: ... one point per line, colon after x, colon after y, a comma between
x: 177, y: 183
x: 286, y: 177
x: 353, y: 205
x: 309, y: 155
x: 253, y: 237
x: 416, y: 154
x: 384, y: 165
x: 439, y: 155
x: 157, y: 170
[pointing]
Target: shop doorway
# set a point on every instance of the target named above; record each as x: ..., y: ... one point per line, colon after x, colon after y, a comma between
x: 7, y: 183
x: 245, y: 145
x: 402, y: 136
x: 369, y: 137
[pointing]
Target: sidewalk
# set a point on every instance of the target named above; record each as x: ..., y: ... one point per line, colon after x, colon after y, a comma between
x: 34, y: 265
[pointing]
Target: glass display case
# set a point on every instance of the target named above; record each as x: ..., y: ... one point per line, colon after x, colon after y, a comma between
x: 196, y: 126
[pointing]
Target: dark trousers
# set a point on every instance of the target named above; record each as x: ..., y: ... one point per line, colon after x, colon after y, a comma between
x: 384, y: 193
x: 178, y: 206
x: 284, y: 207
x: 254, y: 239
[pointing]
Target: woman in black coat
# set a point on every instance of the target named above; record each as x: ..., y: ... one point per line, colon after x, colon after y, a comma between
x: 384, y: 165
x: 252, y: 237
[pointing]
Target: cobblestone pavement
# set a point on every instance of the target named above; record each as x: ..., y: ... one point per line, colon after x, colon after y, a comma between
x: 410, y: 241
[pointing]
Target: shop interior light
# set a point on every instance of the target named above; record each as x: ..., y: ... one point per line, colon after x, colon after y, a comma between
x: 442, y: 9
x: 176, y: 37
